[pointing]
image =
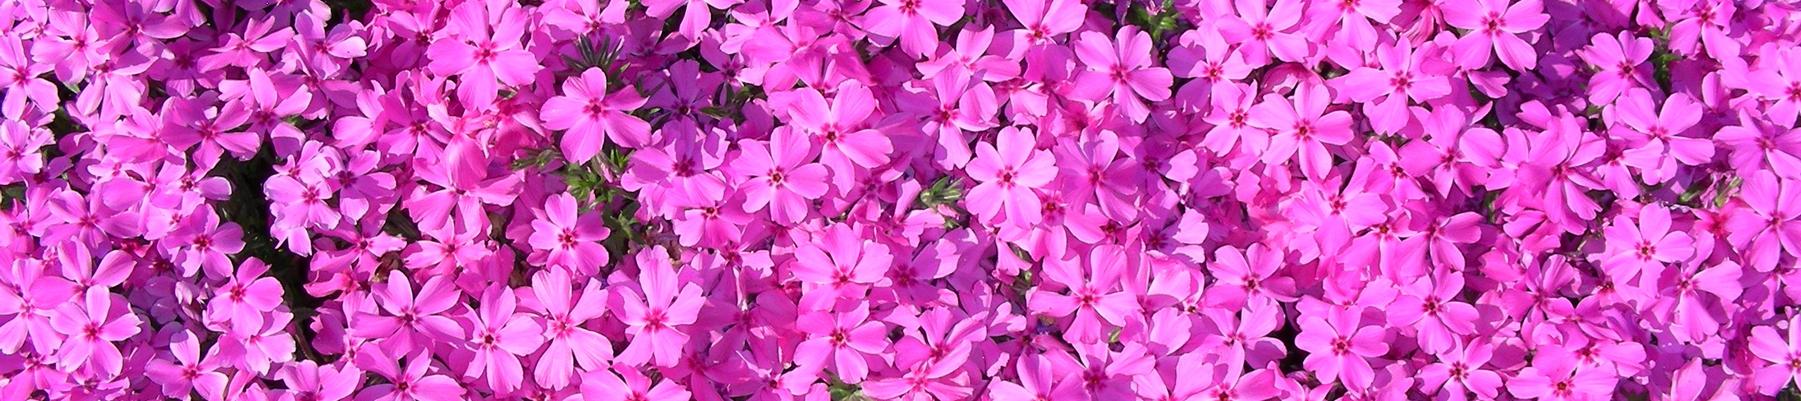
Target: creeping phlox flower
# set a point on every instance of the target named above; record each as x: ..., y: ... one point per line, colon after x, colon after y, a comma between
x: 1018, y: 200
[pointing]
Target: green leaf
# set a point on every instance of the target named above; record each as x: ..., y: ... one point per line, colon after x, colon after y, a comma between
x: 1726, y: 191
x: 944, y: 191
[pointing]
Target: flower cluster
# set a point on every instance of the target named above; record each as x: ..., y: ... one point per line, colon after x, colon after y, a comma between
x: 899, y: 199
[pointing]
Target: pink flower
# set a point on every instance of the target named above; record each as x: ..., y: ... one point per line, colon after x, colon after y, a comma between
x: 1620, y: 58
x: 245, y: 298
x: 1302, y: 127
x: 1248, y: 275
x: 1384, y: 91
x: 1008, y: 172
x: 1121, y: 70
x: 1461, y: 371
x: 1094, y: 298
x: 844, y: 338
x: 781, y: 176
x: 484, y: 52
x: 1644, y: 246
x: 1454, y: 154
x: 21, y: 72
x: 697, y: 15
x: 565, y: 316
x: 603, y: 385
x: 29, y: 299
x: 188, y: 373
x: 1781, y: 352
x: 913, y: 22
x: 1265, y: 31
x: 1039, y: 379
x: 410, y: 321
x: 306, y: 380
x: 1555, y: 375
x: 415, y: 383
x: 209, y: 245
x: 19, y: 151
x: 1244, y: 334
x: 840, y: 126
x: 1697, y: 290
x: 1759, y: 144
x: 464, y: 183
x: 1339, y: 346
x: 91, y: 327
x: 1431, y: 307
x: 572, y: 243
x: 589, y: 114
x: 1768, y: 226
x: 655, y: 319
x: 1496, y: 24
x: 499, y: 337
x: 1045, y: 19
x: 1777, y: 80
x: 1660, y: 144
x: 839, y: 260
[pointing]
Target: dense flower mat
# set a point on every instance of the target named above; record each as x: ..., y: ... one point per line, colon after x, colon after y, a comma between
x: 916, y: 199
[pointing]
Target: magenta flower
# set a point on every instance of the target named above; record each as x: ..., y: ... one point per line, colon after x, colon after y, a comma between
x: 840, y: 126
x: 1121, y: 70
x: 463, y: 185
x: 1385, y: 91
x: 1039, y: 379
x: 1093, y: 297
x: 1461, y: 371
x: 485, y: 52
x: 188, y: 373
x: 416, y: 382
x: 589, y: 114
x: 209, y: 245
x: 1266, y: 31
x: 409, y: 321
x: 1201, y: 200
x: 1431, y: 307
x: 1621, y: 59
x: 1556, y: 375
x: 1644, y: 246
x: 1454, y: 154
x: 845, y: 341
x: 565, y: 316
x: 1339, y: 346
x: 1781, y: 352
x: 656, y: 314
x: 839, y: 260
x: 1249, y: 275
x: 1659, y: 135
x: 245, y: 298
x: 1495, y: 24
x: 779, y: 175
x: 913, y: 22
x: 604, y: 385
x: 1758, y: 144
x: 19, y: 151
x: 571, y: 242
x: 1045, y: 19
x: 1697, y: 290
x: 307, y: 380
x: 1007, y: 173
x: 1767, y: 227
x: 1778, y: 81
x: 1302, y: 127
x: 90, y: 327
x: 29, y: 298
x: 499, y: 337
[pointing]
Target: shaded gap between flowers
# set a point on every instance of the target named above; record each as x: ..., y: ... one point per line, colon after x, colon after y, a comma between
x: 249, y: 208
